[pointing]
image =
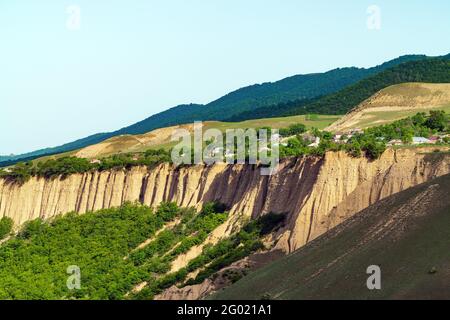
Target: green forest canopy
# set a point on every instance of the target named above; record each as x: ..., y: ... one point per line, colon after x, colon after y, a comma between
x: 104, y: 246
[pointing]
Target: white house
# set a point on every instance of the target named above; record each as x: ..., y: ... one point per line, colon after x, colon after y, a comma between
x: 316, y: 143
x: 420, y: 140
x: 395, y: 142
x: 356, y: 131
x: 276, y: 137
x: 216, y: 151
x: 264, y: 149
x: 229, y: 153
x: 337, y: 137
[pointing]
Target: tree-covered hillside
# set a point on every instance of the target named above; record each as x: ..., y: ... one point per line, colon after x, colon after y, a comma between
x: 433, y: 70
x: 430, y: 71
x: 249, y: 98
x: 116, y: 249
x: 294, y: 88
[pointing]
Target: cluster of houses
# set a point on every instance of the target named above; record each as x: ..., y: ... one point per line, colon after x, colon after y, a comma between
x: 417, y: 141
x: 343, y: 138
x: 340, y: 137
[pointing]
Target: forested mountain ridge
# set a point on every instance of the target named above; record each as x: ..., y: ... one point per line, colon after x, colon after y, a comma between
x: 430, y: 70
x: 296, y: 87
x: 252, y: 98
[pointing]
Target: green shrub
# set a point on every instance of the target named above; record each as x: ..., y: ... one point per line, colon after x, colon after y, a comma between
x: 32, y: 228
x: 6, y: 225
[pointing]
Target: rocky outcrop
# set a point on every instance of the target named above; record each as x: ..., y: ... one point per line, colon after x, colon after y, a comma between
x: 316, y: 193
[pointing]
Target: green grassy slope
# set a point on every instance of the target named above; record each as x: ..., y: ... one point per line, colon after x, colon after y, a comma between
x: 407, y: 235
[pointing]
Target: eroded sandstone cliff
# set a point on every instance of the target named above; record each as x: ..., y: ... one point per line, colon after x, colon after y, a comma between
x: 316, y: 193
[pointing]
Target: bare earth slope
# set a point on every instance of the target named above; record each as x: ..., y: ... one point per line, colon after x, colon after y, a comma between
x: 406, y: 235
x: 393, y: 103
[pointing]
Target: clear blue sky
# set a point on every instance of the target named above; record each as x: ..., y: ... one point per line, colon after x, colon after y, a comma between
x: 131, y: 59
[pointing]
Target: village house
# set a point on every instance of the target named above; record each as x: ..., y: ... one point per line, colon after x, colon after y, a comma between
x: 229, y: 153
x: 308, y: 137
x: 356, y: 131
x: 216, y: 151
x: 434, y: 139
x: 395, y: 142
x: 443, y: 137
x: 316, y: 143
x: 264, y: 149
x: 341, y: 137
x: 337, y: 137
x: 420, y: 140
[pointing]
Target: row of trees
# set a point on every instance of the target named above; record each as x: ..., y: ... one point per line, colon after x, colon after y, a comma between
x: 65, y: 166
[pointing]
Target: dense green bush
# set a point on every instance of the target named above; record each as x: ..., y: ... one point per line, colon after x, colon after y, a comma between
x: 292, y: 130
x: 6, y: 225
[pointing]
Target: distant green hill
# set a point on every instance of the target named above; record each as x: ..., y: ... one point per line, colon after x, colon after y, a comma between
x: 262, y: 95
x: 431, y: 70
x: 406, y: 235
x: 246, y: 99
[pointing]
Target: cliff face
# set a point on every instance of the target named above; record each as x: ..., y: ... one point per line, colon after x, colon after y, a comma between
x: 317, y: 193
